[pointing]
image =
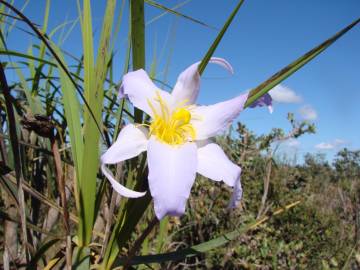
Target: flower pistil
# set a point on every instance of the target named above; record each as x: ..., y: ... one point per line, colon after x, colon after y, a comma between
x: 171, y: 127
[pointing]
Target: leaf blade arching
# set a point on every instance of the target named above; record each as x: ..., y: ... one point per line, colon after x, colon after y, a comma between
x: 219, y: 37
x: 278, y: 77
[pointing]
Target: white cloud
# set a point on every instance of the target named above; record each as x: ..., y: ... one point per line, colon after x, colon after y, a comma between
x: 293, y: 143
x: 284, y: 94
x: 308, y: 113
x: 324, y: 146
x: 339, y: 141
x: 330, y: 145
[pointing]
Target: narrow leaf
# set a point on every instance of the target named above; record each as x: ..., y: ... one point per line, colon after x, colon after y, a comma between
x: 171, y: 10
x: 138, y: 42
x: 278, y: 77
x: 213, y: 47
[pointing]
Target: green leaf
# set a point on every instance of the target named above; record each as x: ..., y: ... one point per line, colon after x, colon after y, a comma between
x: 27, y: 56
x: 172, y: 10
x: 138, y: 42
x: 87, y: 177
x: 81, y: 258
x: 38, y: 70
x: 94, y: 77
x: 34, y: 101
x: 73, y: 115
x: 213, y: 47
x: 278, y: 77
x: 12, y: 25
x: 47, y: 43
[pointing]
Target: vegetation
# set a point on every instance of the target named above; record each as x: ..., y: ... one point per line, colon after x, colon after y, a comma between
x: 319, y: 233
x: 57, y: 212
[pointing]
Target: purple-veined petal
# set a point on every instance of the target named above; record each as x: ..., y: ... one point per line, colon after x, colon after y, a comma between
x: 188, y: 82
x: 123, y: 191
x: 210, y: 120
x: 140, y: 90
x: 236, y: 196
x: 265, y: 100
x: 172, y: 171
x: 214, y: 164
x: 131, y: 142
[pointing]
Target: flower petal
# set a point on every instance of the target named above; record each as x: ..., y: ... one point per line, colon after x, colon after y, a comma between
x: 140, y: 89
x: 131, y: 142
x: 123, y: 191
x: 214, y: 164
x: 172, y: 171
x: 265, y: 100
x: 188, y: 82
x: 208, y: 121
x: 236, y: 196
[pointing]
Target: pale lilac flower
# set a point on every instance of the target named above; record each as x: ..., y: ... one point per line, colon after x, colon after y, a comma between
x: 176, y: 140
x: 265, y: 100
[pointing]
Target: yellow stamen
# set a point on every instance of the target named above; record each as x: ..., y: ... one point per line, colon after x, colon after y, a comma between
x: 171, y: 127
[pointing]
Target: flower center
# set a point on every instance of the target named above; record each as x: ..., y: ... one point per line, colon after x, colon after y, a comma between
x: 172, y: 127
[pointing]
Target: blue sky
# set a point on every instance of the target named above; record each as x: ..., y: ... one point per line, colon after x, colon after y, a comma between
x: 264, y: 37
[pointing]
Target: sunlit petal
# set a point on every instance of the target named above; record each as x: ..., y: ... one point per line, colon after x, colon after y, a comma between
x: 131, y: 142
x: 140, y: 90
x: 210, y: 120
x: 188, y: 82
x: 123, y: 191
x: 214, y: 164
x: 172, y: 171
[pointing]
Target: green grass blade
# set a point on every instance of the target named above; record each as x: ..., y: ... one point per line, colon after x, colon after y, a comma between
x: 12, y: 25
x: 2, y: 39
x: 166, y: 12
x: 27, y: 56
x: 38, y: 70
x: 169, y: 10
x: 44, y: 29
x: 278, y: 77
x: 213, y: 47
x: 138, y: 42
x: 61, y: 27
x: 87, y: 177
x: 34, y: 101
x: 88, y: 49
x: 120, y: 112
x: 124, y: 229
x: 76, y: 75
x: 104, y: 52
x: 47, y: 43
x: 117, y: 24
x: 93, y: 86
x: 163, y: 233
x: 2, y: 18
x: 81, y: 258
x: 30, y: 62
x: 73, y: 115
